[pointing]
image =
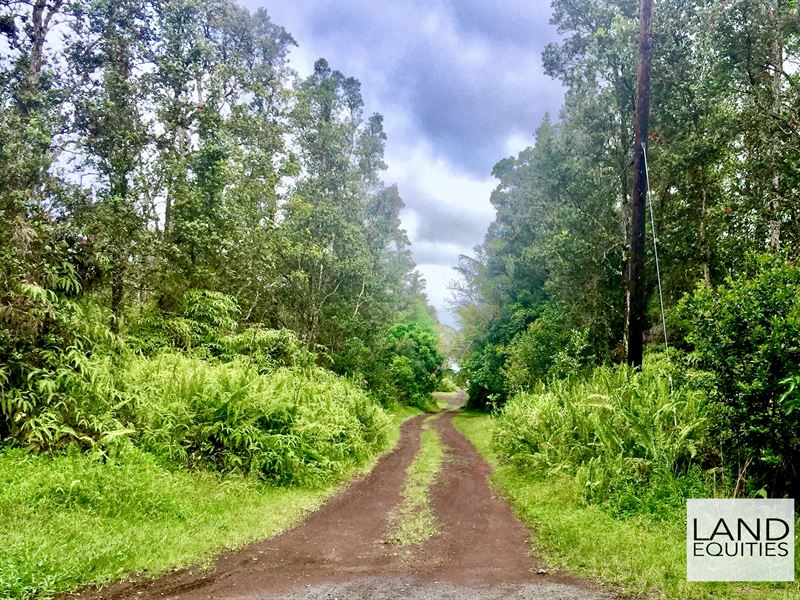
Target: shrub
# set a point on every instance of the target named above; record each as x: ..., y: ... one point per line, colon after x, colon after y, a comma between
x: 54, y: 391
x: 447, y: 384
x: 292, y: 426
x: 199, y: 318
x: 547, y: 349
x: 486, y: 386
x: 747, y: 333
x: 630, y: 440
x: 408, y: 365
x: 267, y: 349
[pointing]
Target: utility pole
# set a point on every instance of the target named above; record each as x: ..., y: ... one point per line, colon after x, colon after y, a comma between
x: 636, y: 299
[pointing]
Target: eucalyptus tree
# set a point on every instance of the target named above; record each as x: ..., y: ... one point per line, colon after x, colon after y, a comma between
x: 326, y: 256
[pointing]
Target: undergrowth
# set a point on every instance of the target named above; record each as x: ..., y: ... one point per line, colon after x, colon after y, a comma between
x: 292, y: 426
x: 631, y: 440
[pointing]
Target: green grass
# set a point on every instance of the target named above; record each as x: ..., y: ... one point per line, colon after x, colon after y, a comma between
x: 638, y: 555
x: 71, y: 520
x: 413, y: 521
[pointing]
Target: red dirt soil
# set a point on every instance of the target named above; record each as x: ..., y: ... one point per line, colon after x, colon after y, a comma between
x: 338, y: 551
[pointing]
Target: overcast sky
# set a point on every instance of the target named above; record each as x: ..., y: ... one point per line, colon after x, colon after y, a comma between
x: 460, y: 86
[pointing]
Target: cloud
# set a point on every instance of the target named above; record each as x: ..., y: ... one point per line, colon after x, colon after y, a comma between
x: 437, y: 253
x: 460, y: 85
x: 468, y: 74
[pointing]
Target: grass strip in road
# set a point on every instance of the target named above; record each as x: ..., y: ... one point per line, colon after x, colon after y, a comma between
x: 637, y: 555
x: 414, y: 521
x: 71, y: 520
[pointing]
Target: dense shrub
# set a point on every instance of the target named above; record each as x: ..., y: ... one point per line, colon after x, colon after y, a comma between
x: 204, y: 322
x: 54, y: 390
x: 291, y: 426
x: 547, y: 349
x: 747, y: 333
x: 486, y: 385
x: 408, y: 366
x: 632, y: 440
x: 267, y: 349
x: 195, y: 319
x: 447, y: 384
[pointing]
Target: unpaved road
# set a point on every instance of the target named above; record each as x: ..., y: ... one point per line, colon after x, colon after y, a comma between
x: 481, y: 550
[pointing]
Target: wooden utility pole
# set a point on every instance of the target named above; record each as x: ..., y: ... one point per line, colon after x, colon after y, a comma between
x: 636, y: 298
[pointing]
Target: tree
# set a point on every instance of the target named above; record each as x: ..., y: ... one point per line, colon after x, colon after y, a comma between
x: 109, y: 47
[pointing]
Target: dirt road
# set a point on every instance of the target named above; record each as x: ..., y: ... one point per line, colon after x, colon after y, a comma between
x: 481, y: 550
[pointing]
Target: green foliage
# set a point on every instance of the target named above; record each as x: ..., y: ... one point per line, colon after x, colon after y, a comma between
x: 634, y: 440
x: 483, y: 368
x: 290, y: 427
x: 447, y: 385
x: 746, y: 332
x: 409, y: 365
x: 267, y: 349
x: 53, y: 391
x: 547, y: 349
x: 198, y: 318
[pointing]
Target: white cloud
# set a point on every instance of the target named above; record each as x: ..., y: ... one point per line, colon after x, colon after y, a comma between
x: 460, y: 85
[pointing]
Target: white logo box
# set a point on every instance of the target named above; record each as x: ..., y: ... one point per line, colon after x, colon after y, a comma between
x: 739, y: 540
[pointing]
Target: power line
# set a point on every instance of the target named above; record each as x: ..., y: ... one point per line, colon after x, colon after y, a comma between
x: 655, y: 247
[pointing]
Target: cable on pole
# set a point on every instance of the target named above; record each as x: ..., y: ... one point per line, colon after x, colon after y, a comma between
x: 655, y: 247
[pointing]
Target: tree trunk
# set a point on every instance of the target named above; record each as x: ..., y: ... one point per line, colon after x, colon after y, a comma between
x: 704, y: 249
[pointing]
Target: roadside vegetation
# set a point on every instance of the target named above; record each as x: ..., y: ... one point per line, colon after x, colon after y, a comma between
x: 209, y: 315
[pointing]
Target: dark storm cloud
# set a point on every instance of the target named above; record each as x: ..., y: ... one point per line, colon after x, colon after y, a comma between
x: 468, y: 74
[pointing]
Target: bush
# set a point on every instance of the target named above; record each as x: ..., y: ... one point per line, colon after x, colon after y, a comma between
x: 747, y: 333
x: 200, y: 318
x: 408, y: 367
x: 267, y: 349
x: 291, y: 427
x: 486, y: 386
x: 631, y: 442
x: 547, y: 349
x: 54, y: 390
x: 447, y: 385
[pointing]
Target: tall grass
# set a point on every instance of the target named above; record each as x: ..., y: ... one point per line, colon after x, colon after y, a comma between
x: 631, y: 439
x: 292, y: 426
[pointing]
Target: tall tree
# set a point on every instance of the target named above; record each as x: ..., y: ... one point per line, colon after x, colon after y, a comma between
x: 109, y: 50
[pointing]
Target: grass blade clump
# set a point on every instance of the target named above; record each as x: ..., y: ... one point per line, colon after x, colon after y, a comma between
x: 413, y: 521
x: 293, y: 426
x: 630, y: 440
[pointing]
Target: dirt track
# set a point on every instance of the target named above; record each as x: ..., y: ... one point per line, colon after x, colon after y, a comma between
x: 481, y: 550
